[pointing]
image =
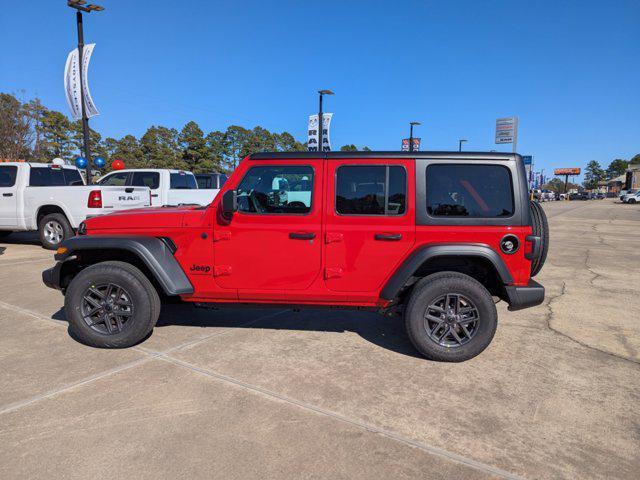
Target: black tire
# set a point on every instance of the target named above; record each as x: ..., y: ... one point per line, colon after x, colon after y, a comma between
x: 632, y: 200
x: 541, y: 229
x: 53, y: 230
x: 444, y: 284
x: 137, y: 290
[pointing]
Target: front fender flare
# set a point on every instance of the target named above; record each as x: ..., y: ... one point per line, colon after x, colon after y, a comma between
x: 411, y: 264
x: 153, y: 252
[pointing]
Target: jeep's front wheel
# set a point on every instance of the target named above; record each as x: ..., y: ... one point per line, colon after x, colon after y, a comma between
x: 111, y: 305
x: 450, y: 317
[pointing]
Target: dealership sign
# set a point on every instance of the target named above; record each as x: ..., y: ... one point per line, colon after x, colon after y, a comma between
x: 72, y: 83
x: 405, y: 144
x: 566, y: 171
x: 312, y: 128
x: 507, y: 130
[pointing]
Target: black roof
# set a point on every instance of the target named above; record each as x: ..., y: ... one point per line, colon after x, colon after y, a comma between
x: 386, y: 154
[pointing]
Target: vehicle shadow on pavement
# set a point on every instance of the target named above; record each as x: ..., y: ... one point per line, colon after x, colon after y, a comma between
x: 22, y: 238
x: 385, y: 332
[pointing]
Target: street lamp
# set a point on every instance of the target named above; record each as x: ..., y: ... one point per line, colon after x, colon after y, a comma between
x: 80, y: 6
x: 320, y: 122
x: 460, y: 142
x: 411, y: 124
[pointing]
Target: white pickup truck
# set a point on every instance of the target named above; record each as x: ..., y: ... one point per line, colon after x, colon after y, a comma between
x: 54, y: 200
x: 168, y: 187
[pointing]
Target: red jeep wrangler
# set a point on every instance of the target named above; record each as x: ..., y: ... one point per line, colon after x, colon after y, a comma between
x: 436, y: 236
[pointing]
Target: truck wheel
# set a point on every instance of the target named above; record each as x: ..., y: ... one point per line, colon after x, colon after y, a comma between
x: 541, y: 229
x: 54, y: 229
x: 111, y: 305
x: 450, y: 317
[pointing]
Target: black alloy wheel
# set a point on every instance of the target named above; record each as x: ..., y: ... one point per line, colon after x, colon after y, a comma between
x: 451, y: 320
x: 107, y: 308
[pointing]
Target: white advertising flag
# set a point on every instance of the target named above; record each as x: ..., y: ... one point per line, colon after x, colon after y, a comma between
x: 72, y: 83
x: 312, y: 129
x: 326, y: 128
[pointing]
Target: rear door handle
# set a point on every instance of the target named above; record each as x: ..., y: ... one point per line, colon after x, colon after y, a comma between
x: 128, y: 190
x: 7, y: 194
x: 388, y: 237
x: 302, y: 236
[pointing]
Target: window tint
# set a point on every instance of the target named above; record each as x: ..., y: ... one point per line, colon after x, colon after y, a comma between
x: 205, y: 181
x: 146, y: 179
x: 276, y: 189
x: 480, y: 191
x: 115, y: 180
x: 371, y: 190
x: 8, y: 175
x: 221, y: 180
x: 46, y: 177
x: 183, y: 181
x: 72, y: 177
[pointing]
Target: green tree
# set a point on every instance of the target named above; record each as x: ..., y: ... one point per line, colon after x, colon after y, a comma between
x: 235, y: 139
x: 616, y: 168
x: 36, y: 111
x: 349, y: 148
x: 160, y: 148
x: 366, y: 149
x: 194, y: 147
x: 593, y: 174
x: 77, y: 140
x: 557, y: 185
x: 127, y: 149
x: 285, y: 142
x: 635, y: 159
x: 15, y: 129
x: 56, y: 136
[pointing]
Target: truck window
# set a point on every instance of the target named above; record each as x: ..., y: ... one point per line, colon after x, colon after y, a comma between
x: 221, y: 180
x: 46, y: 177
x: 115, y: 180
x: 276, y: 190
x: 146, y: 179
x: 182, y: 181
x: 371, y: 190
x: 8, y: 175
x: 480, y: 191
x: 72, y: 177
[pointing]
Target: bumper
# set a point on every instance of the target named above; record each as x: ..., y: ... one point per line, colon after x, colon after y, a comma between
x: 51, y: 276
x: 525, y: 297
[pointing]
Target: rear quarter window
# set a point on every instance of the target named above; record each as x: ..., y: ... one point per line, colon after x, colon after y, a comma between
x: 473, y: 191
x: 146, y: 179
x: 183, y: 181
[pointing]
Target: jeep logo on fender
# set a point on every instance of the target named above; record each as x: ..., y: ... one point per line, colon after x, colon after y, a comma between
x: 200, y: 268
x: 126, y: 198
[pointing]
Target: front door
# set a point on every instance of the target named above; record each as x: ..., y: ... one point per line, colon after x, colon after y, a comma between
x: 8, y: 196
x: 272, y: 244
x: 369, y: 222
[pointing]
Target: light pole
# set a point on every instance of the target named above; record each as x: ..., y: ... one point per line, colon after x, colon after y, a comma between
x: 460, y: 142
x: 320, y: 122
x: 411, y: 124
x: 79, y: 6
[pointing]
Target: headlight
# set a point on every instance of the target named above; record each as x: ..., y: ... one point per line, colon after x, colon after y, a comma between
x: 82, y: 228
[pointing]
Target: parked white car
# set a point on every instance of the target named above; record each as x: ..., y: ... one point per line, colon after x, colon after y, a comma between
x: 632, y: 197
x: 54, y: 200
x: 168, y: 187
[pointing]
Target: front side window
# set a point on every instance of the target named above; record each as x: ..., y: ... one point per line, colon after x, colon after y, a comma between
x: 8, y: 175
x: 371, y: 190
x: 146, y: 179
x: 183, y: 181
x: 477, y: 191
x: 115, y: 180
x: 276, y: 190
x: 46, y: 177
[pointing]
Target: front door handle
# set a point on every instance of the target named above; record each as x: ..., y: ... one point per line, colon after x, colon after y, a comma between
x: 302, y: 236
x: 7, y: 194
x: 388, y: 237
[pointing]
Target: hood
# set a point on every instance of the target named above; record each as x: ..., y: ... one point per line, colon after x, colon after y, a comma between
x: 142, y: 218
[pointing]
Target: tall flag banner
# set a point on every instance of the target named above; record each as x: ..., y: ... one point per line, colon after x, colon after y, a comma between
x: 72, y: 83
x: 405, y: 144
x: 312, y: 128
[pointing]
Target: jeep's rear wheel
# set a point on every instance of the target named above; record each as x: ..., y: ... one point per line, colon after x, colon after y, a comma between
x: 111, y: 305
x: 450, y: 317
x: 540, y: 229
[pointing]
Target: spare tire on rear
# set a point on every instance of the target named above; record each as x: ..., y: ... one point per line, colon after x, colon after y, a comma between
x: 540, y: 229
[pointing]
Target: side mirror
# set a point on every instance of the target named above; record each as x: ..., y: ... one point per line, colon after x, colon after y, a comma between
x: 229, y: 203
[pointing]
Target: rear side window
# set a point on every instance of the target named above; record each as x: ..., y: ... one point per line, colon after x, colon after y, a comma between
x: 371, y: 190
x: 72, y: 177
x: 146, y: 179
x: 205, y: 181
x: 182, y: 181
x: 476, y: 191
x: 115, y: 180
x: 8, y: 175
x: 46, y: 177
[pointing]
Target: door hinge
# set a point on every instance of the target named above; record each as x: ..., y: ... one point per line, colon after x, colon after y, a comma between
x: 333, y: 237
x: 221, y: 270
x: 224, y: 235
x: 333, y: 272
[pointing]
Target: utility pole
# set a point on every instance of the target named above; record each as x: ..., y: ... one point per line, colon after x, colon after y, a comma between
x: 320, y: 120
x: 78, y: 5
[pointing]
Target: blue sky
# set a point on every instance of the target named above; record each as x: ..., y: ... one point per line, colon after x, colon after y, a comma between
x: 569, y: 69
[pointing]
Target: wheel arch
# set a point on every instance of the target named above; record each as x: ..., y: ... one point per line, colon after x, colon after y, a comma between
x: 479, y: 261
x: 153, y: 256
x: 48, y: 209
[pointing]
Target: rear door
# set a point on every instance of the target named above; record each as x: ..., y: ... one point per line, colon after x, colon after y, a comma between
x: 8, y: 196
x: 369, y: 221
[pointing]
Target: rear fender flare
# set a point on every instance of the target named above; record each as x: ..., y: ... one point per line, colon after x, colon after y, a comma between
x: 153, y: 252
x: 423, y: 254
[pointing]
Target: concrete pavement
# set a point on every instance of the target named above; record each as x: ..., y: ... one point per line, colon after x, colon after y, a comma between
x: 279, y: 394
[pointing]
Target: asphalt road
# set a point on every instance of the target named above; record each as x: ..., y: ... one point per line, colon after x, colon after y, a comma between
x: 279, y: 394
